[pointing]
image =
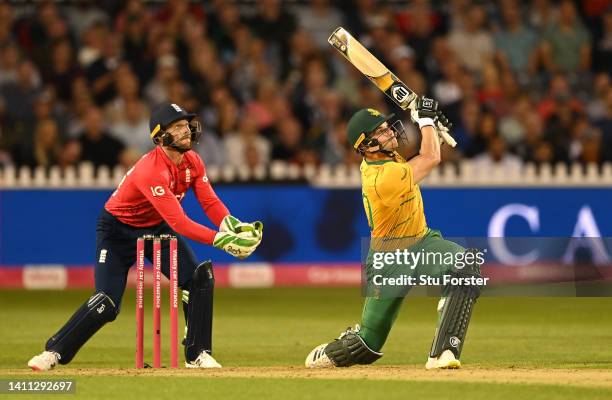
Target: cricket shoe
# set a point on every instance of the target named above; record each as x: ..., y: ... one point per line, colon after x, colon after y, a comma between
x: 446, y: 360
x: 317, y: 357
x: 204, y: 360
x: 45, y: 361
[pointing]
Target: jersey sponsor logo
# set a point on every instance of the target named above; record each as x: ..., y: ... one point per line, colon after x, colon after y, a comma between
x: 157, y: 191
x: 205, y: 179
x: 187, y: 175
x: 177, y: 108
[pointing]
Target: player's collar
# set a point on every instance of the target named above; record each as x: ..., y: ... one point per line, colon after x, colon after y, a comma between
x: 378, y: 162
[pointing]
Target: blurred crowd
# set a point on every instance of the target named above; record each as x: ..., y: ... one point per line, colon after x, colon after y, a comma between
x: 521, y: 80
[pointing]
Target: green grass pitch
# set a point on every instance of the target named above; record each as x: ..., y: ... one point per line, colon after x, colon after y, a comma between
x: 535, y: 348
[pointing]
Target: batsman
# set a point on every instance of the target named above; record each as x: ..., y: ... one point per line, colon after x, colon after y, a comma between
x: 148, y: 202
x: 394, y: 209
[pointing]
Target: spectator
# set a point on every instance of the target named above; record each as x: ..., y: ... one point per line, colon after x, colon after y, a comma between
x: 473, y: 44
x: 248, y: 66
x: 602, y: 57
x: 288, y: 142
x: 465, y: 129
x: 605, y: 125
x: 491, y: 94
x: 226, y: 18
x: 530, y: 148
x: 559, y: 93
x: 512, y: 126
x: 6, y: 23
x: 127, y: 87
x: 9, y: 61
x: 211, y: 149
x: 439, y: 54
x: 174, y: 12
x: 133, y: 127
x: 419, y: 23
x: 63, y: 71
x: 46, y: 107
x: 45, y: 148
x: 247, y: 144
x: 98, y: 146
x: 262, y: 108
x: 82, y: 101
x: 228, y: 67
x: 92, y: 47
x: 486, y: 130
x: 320, y: 19
x: 18, y: 103
x: 275, y: 26
x: 596, y: 108
x: 542, y: 15
x: 101, y: 72
x: 157, y: 91
x: 133, y: 22
x: 585, y: 142
x: 497, y: 155
x: 516, y: 44
x: 403, y: 61
x: 566, y: 47
x: 70, y: 154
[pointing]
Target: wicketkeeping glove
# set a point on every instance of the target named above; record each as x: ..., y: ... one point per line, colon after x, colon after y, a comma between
x: 233, y: 224
x: 424, y: 111
x: 240, y: 245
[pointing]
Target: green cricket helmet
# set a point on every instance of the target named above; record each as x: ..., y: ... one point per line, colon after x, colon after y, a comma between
x: 364, y: 122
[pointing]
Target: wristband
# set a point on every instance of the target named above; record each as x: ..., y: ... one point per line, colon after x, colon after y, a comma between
x: 426, y: 122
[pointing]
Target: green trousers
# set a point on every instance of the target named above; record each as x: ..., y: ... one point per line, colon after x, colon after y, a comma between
x: 382, y: 306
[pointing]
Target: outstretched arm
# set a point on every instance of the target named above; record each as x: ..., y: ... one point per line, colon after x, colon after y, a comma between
x: 425, y: 114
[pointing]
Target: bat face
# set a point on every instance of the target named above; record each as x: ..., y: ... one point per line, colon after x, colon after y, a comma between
x: 358, y: 55
x: 376, y: 72
x: 371, y: 67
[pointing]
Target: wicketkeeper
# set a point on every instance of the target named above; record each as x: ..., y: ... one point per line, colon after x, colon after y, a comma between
x: 394, y: 209
x: 148, y: 202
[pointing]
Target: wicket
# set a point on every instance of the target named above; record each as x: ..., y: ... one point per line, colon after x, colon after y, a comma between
x: 157, y: 273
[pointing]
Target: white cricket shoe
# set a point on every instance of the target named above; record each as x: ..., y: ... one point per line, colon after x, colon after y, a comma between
x: 204, y: 360
x: 446, y: 360
x: 317, y: 358
x: 45, y: 361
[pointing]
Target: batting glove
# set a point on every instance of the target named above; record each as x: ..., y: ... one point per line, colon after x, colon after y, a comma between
x: 424, y: 112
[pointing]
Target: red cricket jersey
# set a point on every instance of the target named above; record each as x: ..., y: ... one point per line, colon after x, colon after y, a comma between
x: 151, y: 191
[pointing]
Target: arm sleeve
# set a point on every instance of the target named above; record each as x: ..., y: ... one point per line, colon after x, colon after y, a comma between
x: 155, y: 189
x: 211, y: 204
x: 394, y: 183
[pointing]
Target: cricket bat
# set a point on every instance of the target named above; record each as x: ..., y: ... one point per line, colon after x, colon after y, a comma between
x: 380, y: 75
